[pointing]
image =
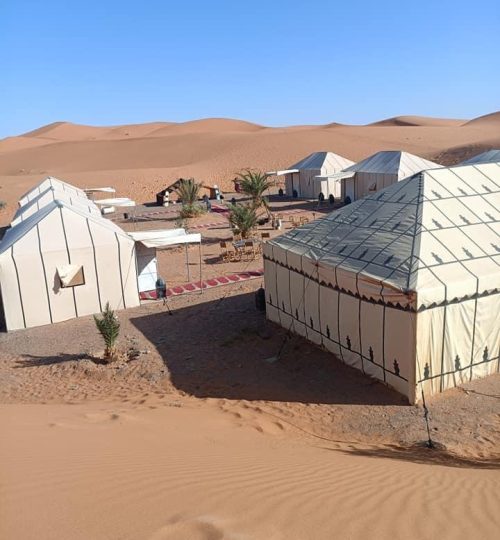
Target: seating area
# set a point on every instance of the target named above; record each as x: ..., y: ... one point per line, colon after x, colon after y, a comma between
x: 239, y: 249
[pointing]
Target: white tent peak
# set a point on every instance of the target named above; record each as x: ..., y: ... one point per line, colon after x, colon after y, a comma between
x: 318, y: 160
x: 490, y: 156
x: 393, y: 162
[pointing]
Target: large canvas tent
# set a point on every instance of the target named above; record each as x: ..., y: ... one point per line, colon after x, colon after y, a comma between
x: 49, y: 195
x: 61, y: 263
x: 55, y: 183
x: 302, y: 180
x: 379, y: 171
x: 490, y: 156
x: 403, y: 284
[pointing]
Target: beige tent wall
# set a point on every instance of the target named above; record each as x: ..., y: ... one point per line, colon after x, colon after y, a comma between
x: 363, y: 181
x: 292, y: 181
x: 309, y: 184
x: 457, y: 343
x: 376, y: 339
x: 30, y: 285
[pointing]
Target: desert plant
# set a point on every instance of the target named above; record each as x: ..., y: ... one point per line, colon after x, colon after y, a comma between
x: 189, y: 192
x: 243, y: 217
x: 108, y: 326
x: 255, y: 184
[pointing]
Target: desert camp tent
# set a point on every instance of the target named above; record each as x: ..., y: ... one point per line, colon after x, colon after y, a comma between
x: 301, y: 179
x: 49, y: 195
x: 490, y: 156
x: 61, y: 263
x: 381, y: 170
x: 403, y: 284
x: 55, y: 183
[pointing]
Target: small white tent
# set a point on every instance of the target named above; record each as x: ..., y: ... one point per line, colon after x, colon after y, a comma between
x: 381, y: 170
x: 55, y: 183
x: 403, y: 284
x: 302, y: 180
x: 490, y: 156
x: 62, y: 263
x: 49, y: 195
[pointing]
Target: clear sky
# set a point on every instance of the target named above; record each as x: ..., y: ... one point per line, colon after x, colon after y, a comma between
x: 276, y: 62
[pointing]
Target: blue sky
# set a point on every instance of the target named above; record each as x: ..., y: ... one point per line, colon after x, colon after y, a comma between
x: 274, y: 62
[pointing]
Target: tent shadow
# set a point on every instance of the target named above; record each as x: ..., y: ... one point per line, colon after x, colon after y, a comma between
x: 226, y: 349
x: 422, y: 455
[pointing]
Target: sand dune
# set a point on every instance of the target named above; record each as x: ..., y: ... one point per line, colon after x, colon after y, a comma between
x: 418, y: 121
x: 169, y: 470
x: 492, y: 119
x: 139, y: 159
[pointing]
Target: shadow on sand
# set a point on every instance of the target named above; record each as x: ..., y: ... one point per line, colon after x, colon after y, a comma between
x: 422, y: 455
x: 226, y: 349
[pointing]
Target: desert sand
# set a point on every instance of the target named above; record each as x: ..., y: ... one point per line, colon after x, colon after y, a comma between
x: 216, y: 425
x: 139, y: 159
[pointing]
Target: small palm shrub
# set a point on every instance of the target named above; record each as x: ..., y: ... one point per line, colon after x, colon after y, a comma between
x: 189, y: 192
x: 108, y: 326
x: 243, y: 217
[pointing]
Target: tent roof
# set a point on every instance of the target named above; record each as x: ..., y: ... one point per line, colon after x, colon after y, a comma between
x: 317, y: 160
x: 84, y: 203
x: 490, y: 156
x: 436, y: 233
x: 15, y: 233
x: 393, y: 162
x: 51, y: 181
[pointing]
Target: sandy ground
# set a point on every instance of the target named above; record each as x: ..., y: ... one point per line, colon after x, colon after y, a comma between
x: 215, y: 424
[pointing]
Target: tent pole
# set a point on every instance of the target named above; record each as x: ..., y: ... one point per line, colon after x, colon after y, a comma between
x: 201, y: 284
x: 187, y: 262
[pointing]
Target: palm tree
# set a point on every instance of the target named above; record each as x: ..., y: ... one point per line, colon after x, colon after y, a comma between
x: 188, y: 192
x: 254, y: 184
x: 243, y: 217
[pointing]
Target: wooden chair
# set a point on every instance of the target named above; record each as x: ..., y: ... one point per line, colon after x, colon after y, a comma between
x: 250, y: 250
x: 224, y: 253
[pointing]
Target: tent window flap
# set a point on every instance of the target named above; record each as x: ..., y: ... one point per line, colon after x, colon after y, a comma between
x: 71, y: 275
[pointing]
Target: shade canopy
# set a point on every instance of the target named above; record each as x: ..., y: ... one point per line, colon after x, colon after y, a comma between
x: 118, y: 201
x: 165, y: 237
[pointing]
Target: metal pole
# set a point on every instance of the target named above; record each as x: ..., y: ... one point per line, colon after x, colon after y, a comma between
x: 201, y: 284
x: 187, y: 262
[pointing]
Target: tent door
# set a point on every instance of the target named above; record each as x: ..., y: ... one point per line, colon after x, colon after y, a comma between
x: 147, y: 268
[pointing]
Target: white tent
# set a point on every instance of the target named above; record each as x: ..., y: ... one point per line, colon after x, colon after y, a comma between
x: 55, y: 183
x: 49, y: 195
x: 381, y: 170
x: 490, y: 156
x: 403, y: 284
x: 61, y: 263
x: 302, y: 178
